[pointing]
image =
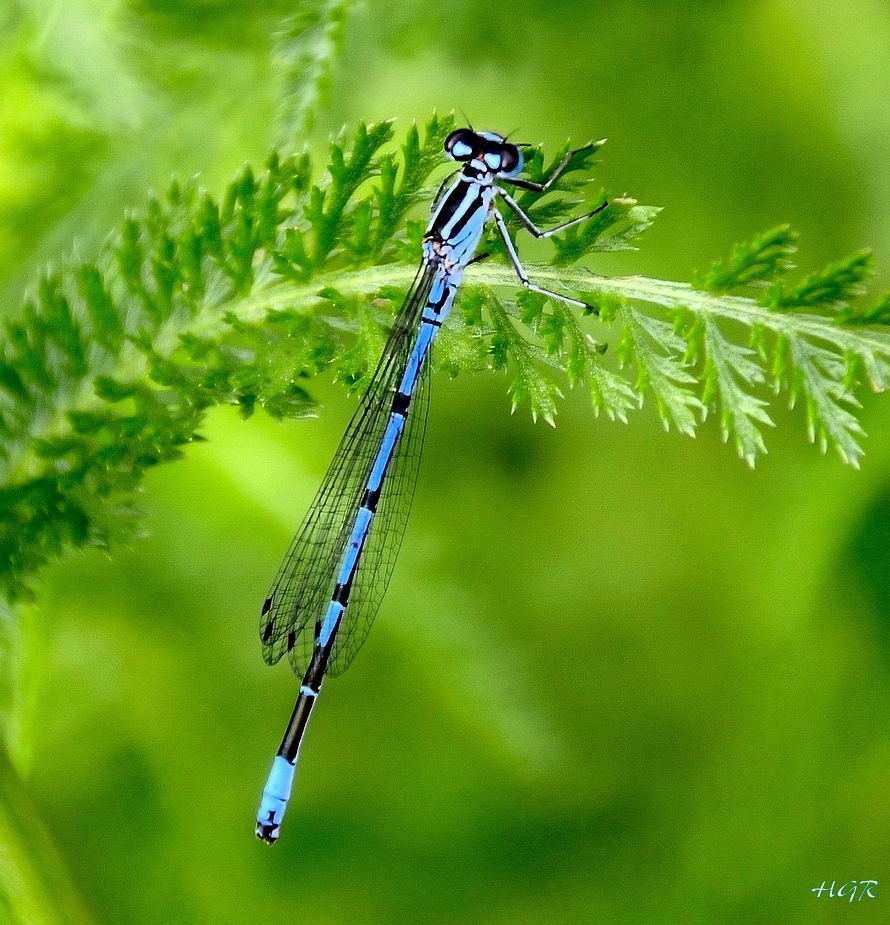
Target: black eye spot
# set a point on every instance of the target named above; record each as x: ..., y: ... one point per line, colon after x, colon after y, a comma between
x: 461, y: 144
x: 510, y: 158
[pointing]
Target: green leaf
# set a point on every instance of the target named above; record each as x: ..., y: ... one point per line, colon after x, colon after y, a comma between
x: 307, y: 46
x: 612, y: 229
x: 328, y: 206
x: 61, y: 327
x: 830, y: 289
x: 651, y: 345
x: 463, y: 343
x: 610, y: 393
x: 529, y: 383
x: 755, y: 263
x: 107, y: 327
x: 819, y: 376
x: 853, y: 314
x: 418, y: 162
x: 728, y: 373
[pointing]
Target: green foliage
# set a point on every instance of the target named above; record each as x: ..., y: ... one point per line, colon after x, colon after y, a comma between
x: 111, y: 366
x: 308, y: 44
x: 754, y: 263
x: 657, y: 352
x: 823, y: 374
x: 35, y: 881
x: 196, y: 302
x: 829, y: 290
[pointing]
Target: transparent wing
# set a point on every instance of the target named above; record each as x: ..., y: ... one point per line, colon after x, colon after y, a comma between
x: 305, y: 581
x: 381, y: 546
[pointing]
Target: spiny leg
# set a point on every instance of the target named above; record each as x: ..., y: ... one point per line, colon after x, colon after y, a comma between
x: 523, y: 276
x: 532, y: 228
x: 560, y: 167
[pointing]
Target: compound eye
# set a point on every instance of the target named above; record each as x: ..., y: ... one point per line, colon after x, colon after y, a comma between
x: 492, y: 160
x: 511, y: 160
x: 460, y: 144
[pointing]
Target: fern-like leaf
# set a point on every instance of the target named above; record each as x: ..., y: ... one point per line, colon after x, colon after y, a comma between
x: 109, y: 367
x: 307, y: 45
x: 818, y: 374
x: 831, y: 289
x: 754, y: 263
x: 530, y: 384
x: 657, y: 352
x: 728, y: 372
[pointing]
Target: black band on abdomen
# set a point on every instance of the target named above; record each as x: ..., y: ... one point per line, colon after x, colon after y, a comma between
x: 400, y: 404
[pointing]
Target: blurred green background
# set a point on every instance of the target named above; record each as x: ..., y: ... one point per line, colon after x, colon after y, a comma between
x: 618, y: 676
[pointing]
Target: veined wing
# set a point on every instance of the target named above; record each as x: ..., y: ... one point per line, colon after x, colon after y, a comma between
x: 305, y: 581
x: 384, y: 539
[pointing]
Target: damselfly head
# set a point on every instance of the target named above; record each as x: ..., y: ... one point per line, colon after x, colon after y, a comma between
x: 497, y: 155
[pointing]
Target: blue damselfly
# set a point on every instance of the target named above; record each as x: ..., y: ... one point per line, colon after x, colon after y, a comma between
x: 330, y: 585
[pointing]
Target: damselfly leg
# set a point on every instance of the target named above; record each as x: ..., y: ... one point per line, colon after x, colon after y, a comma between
x: 539, y: 233
x: 514, y: 257
x: 545, y: 185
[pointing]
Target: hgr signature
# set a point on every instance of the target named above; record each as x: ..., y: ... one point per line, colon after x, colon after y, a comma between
x: 848, y: 891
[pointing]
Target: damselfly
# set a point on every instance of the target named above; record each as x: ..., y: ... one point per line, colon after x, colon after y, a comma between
x: 332, y: 580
